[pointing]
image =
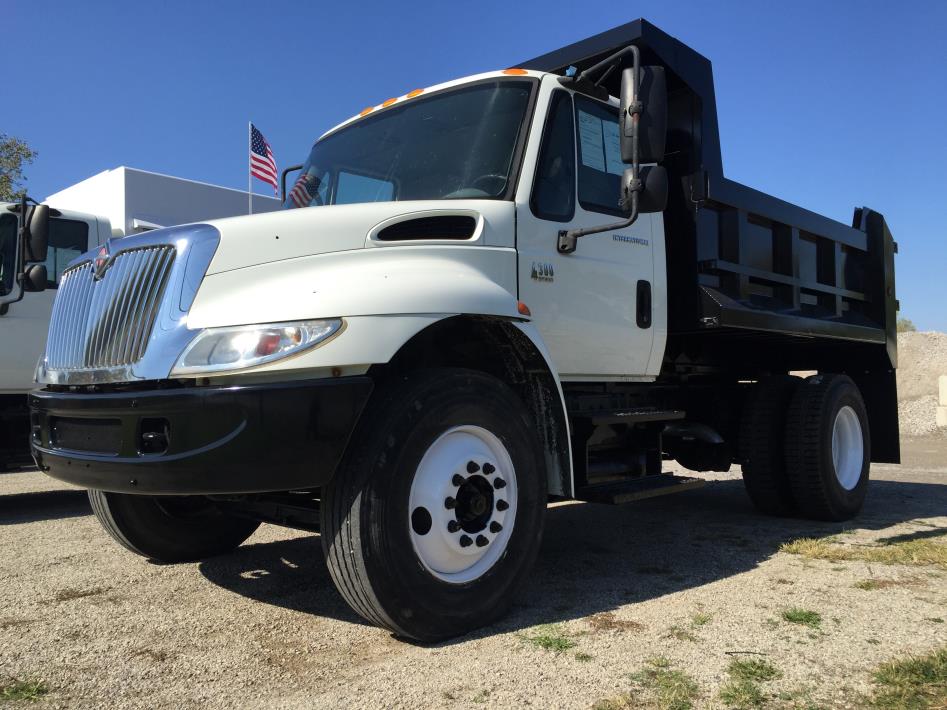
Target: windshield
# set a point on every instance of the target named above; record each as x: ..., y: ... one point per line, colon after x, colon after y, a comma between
x: 459, y: 143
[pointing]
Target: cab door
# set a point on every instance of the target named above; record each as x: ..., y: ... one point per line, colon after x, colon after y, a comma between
x: 593, y: 306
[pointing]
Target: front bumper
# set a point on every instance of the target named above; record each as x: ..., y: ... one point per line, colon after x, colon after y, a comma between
x: 198, y: 440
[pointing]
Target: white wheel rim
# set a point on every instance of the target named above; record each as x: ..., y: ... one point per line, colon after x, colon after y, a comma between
x: 848, y: 448
x: 470, y: 523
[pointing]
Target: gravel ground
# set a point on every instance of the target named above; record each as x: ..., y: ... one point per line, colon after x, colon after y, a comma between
x: 696, y: 578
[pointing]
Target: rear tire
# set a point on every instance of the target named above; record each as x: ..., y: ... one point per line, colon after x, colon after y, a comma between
x: 169, y: 528
x: 762, y: 450
x: 828, y: 447
x: 434, y: 519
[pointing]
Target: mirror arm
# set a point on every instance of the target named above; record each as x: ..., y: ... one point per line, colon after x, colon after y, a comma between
x: 569, y: 237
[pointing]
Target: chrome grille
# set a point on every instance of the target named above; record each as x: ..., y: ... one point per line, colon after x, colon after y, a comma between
x: 106, y: 323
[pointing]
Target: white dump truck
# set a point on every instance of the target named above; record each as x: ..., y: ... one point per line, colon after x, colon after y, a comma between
x: 114, y: 203
x: 523, y: 285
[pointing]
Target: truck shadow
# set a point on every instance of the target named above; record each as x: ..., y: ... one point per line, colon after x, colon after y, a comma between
x: 595, y: 558
x: 18, y: 508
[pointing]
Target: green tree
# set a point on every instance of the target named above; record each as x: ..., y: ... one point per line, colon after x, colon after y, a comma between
x: 906, y: 325
x: 14, y: 155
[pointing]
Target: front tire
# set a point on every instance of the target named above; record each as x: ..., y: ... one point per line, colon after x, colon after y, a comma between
x: 169, y: 528
x: 828, y: 447
x: 434, y: 519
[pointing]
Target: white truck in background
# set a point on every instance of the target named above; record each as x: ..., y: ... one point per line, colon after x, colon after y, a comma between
x: 112, y: 204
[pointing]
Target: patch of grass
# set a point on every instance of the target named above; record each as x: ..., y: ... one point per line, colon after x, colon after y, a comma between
x: 870, y: 585
x: 582, y: 657
x: 912, y: 683
x: 803, y: 617
x: 754, y: 669
x: 701, y: 619
x: 742, y: 694
x: 919, y: 549
x: 680, y: 633
x: 27, y: 690
x: 550, y: 637
x: 481, y: 696
x: 621, y: 702
x: 672, y: 689
x: 607, y: 621
x: 934, y: 620
x: 743, y: 689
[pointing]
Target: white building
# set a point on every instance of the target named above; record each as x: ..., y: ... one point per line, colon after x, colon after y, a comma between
x: 137, y: 200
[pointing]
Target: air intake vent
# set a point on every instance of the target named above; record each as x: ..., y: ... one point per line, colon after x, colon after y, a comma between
x: 455, y: 226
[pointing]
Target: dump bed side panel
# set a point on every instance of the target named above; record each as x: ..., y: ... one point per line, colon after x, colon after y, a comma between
x: 756, y: 285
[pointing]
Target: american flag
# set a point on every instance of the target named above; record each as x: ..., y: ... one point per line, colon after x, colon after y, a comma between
x: 304, y: 190
x: 262, y: 162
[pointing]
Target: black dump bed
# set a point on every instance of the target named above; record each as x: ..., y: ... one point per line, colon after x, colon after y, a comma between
x: 756, y: 284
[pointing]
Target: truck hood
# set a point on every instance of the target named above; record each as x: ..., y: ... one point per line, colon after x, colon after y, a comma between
x: 290, y: 234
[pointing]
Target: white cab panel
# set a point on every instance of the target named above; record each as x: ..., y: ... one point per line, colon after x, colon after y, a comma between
x: 288, y: 234
x: 432, y: 279
x: 584, y: 303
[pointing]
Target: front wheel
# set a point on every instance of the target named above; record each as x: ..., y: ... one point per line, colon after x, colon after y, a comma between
x: 169, y: 528
x: 434, y: 519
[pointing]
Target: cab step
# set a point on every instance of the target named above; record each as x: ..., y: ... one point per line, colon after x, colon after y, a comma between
x: 615, y: 493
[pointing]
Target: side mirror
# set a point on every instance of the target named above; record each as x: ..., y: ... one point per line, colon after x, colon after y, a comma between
x: 34, y: 278
x: 650, y: 100
x: 37, y: 235
x: 652, y: 192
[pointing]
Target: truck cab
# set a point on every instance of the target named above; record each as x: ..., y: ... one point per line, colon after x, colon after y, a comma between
x: 524, y: 285
x: 24, y: 323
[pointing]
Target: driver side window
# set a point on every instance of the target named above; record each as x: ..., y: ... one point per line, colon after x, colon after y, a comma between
x: 554, y: 185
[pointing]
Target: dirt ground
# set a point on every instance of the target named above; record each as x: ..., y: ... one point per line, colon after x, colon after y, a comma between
x: 696, y: 579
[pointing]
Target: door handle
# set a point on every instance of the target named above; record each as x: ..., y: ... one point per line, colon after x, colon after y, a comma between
x: 643, y: 301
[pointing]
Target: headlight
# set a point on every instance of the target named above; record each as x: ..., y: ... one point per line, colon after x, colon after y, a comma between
x: 237, y: 347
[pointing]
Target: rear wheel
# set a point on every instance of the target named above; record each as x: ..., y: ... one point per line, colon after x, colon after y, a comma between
x: 828, y: 447
x: 169, y: 528
x: 434, y: 519
x: 762, y: 451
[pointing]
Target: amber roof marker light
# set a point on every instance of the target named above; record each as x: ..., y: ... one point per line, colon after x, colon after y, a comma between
x: 516, y: 72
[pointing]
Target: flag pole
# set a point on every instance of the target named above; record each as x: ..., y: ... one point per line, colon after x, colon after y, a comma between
x: 249, y: 174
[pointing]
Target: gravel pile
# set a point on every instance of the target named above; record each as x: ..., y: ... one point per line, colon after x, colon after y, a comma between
x: 922, y: 358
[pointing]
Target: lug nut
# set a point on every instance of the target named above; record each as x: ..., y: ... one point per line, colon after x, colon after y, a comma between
x: 457, y: 480
x: 450, y: 503
x: 453, y: 526
x: 489, y: 469
x: 482, y: 541
x: 472, y: 467
x: 495, y: 527
x: 465, y: 541
x: 499, y: 483
x: 502, y: 505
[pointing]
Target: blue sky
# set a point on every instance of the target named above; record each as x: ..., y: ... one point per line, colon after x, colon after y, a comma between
x: 829, y: 105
